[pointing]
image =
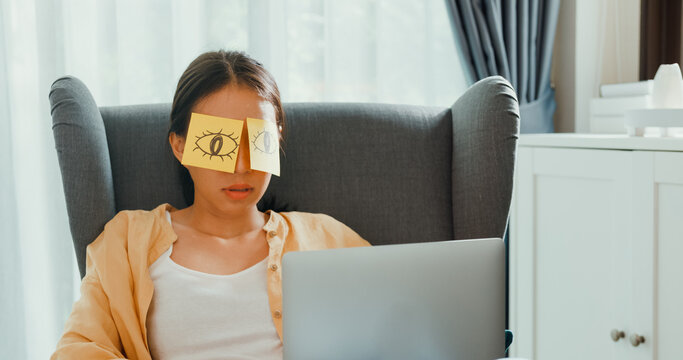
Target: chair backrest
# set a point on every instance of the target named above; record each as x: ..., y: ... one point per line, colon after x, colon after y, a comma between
x: 393, y: 173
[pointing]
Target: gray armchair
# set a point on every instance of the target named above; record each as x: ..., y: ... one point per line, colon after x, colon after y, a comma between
x: 393, y: 173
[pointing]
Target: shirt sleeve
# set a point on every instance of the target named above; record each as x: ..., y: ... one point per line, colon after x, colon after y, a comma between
x: 352, y: 239
x: 345, y: 236
x: 90, y: 331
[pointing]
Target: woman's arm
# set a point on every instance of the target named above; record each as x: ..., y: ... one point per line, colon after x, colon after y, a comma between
x: 90, y: 332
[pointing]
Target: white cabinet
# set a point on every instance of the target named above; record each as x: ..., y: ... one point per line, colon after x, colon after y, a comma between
x: 661, y: 238
x: 596, y: 245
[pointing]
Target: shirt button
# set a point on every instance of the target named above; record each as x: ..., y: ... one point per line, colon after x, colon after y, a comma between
x: 272, y: 233
x: 277, y: 314
x: 273, y: 267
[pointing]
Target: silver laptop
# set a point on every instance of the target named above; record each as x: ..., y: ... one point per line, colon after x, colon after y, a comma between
x: 437, y: 300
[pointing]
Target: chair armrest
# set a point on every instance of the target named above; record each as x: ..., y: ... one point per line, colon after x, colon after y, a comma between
x: 485, y: 133
x: 83, y: 154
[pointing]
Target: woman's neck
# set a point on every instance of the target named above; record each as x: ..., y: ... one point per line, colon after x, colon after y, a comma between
x: 210, y: 221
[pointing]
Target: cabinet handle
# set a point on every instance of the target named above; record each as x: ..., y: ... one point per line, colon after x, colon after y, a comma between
x: 637, y: 339
x: 617, y: 334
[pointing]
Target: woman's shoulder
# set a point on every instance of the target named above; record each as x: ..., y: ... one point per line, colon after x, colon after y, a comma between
x: 126, y: 241
x: 308, y: 219
x: 304, y: 215
x: 318, y: 226
x: 124, y: 219
x: 131, y: 223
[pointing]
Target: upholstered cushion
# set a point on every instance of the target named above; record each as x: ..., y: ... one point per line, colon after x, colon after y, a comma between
x: 144, y: 170
x: 393, y: 173
x: 384, y: 170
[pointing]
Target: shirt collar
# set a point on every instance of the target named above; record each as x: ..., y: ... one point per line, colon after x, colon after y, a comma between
x: 276, y: 229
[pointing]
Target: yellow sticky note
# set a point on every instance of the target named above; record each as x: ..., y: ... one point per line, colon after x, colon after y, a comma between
x: 212, y: 142
x: 264, y: 146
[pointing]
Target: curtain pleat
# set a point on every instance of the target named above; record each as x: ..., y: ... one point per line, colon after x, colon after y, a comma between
x: 472, y: 32
x: 510, y: 35
x: 533, y: 47
x: 548, y: 30
x: 494, y: 20
x: 513, y: 39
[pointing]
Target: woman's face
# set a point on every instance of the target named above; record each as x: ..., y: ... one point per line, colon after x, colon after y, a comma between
x: 237, y: 193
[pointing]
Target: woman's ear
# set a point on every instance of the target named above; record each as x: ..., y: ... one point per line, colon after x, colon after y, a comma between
x: 177, y: 144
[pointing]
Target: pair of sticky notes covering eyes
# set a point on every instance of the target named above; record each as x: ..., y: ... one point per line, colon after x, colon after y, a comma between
x: 213, y: 142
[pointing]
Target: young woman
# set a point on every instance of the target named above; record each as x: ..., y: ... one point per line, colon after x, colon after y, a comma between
x: 203, y: 282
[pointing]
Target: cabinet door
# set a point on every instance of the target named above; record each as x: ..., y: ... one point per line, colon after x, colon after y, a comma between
x: 570, y: 252
x: 658, y: 276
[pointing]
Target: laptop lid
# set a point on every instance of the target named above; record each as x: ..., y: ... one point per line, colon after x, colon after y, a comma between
x: 436, y: 300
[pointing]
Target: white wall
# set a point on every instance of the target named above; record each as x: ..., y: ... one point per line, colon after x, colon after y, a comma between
x: 597, y: 42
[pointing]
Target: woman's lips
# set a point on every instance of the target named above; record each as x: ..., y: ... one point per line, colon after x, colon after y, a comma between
x: 238, y: 191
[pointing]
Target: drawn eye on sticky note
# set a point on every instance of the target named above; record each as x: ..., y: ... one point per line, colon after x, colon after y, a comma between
x: 212, y: 142
x: 264, y: 146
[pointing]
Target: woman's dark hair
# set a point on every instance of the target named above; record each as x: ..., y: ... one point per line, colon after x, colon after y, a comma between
x: 214, y: 70
x: 210, y: 72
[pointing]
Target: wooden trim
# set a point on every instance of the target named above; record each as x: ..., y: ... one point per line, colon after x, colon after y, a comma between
x: 660, y: 35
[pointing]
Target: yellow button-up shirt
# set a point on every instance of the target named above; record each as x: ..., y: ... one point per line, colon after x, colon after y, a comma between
x: 109, y: 319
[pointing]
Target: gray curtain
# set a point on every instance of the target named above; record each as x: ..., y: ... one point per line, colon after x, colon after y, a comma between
x: 514, y: 39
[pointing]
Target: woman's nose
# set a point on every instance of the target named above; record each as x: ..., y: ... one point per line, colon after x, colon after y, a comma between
x: 243, y: 164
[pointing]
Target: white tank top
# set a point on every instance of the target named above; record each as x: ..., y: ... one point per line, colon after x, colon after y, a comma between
x: 195, y: 315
